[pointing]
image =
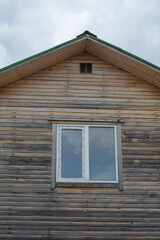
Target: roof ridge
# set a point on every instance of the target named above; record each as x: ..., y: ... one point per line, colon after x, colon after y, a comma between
x: 86, y: 32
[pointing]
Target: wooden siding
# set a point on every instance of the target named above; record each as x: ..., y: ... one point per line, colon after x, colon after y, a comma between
x: 29, y: 209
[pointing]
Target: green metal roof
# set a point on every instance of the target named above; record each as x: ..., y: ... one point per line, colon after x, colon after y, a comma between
x: 41, y: 53
x: 126, y: 52
x: 86, y: 33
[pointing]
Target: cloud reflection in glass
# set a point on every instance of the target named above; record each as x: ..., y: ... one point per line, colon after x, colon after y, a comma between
x: 71, y: 153
x: 102, y: 154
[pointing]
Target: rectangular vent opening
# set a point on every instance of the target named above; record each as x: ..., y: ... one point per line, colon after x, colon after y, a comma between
x: 85, y: 67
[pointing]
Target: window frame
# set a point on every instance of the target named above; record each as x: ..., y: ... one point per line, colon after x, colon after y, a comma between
x: 99, y: 123
x: 60, y: 127
x: 87, y: 68
x: 85, y: 152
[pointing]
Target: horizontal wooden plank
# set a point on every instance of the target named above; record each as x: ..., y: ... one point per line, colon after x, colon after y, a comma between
x: 29, y: 209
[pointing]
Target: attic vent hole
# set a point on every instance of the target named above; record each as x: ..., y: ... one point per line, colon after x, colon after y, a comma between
x: 85, y: 67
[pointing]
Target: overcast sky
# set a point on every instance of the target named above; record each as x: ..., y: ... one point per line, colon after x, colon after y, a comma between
x: 28, y: 27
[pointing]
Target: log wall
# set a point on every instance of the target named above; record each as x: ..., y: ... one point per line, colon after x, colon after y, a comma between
x: 29, y: 209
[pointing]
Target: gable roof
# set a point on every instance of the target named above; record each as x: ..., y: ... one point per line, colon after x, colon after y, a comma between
x: 85, y: 42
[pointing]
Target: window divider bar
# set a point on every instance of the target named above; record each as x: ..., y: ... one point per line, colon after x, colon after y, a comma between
x: 119, y: 156
x: 116, y: 152
x: 87, y: 153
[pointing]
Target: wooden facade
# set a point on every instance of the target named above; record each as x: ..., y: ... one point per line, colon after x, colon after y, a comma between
x: 29, y: 208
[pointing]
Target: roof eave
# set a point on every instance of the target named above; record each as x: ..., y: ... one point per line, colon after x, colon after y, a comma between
x: 42, y: 60
x: 124, y: 60
x: 125, y: 52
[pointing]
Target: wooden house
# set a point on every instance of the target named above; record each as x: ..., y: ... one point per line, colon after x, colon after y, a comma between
x: 80, y: 144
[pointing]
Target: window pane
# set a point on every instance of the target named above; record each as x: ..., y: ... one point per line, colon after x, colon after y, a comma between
x: 71, y: 153
x: 102, y: 154
x: 82, y: 67
x: 89, y: 68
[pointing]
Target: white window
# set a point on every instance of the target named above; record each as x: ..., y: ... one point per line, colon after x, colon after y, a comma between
x: 87, y: 154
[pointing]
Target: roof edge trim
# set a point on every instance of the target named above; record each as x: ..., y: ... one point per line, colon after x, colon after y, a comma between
x: 41, y: 53
x: 125, y: 52
x: 75, y: 39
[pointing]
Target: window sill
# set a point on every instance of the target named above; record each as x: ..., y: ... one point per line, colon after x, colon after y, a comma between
x: 87, y: 185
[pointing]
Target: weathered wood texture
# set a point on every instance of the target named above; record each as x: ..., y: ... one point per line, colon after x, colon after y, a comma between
x: 29, y: 209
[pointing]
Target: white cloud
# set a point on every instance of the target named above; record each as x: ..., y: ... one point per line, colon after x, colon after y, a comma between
x: 31, y: 26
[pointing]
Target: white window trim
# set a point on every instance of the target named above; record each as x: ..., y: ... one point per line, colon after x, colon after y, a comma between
x: 85, y: 153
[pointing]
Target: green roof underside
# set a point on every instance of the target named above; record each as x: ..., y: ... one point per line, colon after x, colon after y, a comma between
x: 73, y: 40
